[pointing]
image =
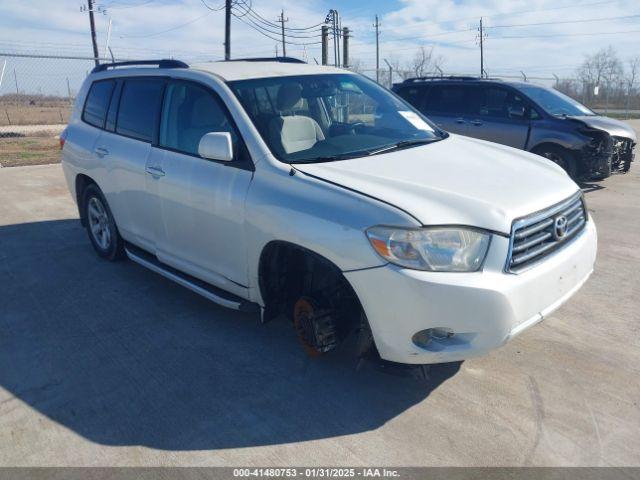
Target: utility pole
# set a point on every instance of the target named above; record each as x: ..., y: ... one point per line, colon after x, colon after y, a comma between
x: 390, y: 73
x: 4, y: 66
x: 93, y: 32
x: 281, y: 19
x: 227, y: 30
x: 338, y: 30
x: 377, y: 25
x: 106, y: 46
x: 481, y: 50
x: 345, y: 47
x: 325, y: 45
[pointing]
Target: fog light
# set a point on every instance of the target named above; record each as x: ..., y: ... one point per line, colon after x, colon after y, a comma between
x: 424, y: 337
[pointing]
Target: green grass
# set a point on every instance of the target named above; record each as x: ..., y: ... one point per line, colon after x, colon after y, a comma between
x: 15, y: 152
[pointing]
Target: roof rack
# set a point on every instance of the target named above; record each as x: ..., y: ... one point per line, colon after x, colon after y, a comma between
x: 446, y: 77
x: 267, y: 59
x: 164, y: 63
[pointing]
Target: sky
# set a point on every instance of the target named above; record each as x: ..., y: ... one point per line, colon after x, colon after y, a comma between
x: 194, y: 30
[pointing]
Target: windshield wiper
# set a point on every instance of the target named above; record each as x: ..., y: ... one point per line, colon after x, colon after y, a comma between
x: 403, y: 144
x: 343, y: 156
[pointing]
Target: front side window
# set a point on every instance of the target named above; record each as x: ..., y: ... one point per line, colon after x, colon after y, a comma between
x: 95, y: 108
x: 499, y: 103
x: 554, y: 102
x: 139, y: 107
x: 312, y: 118
x: 190, y: 111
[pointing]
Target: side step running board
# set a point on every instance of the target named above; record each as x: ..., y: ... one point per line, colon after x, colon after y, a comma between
x: 208, y: 291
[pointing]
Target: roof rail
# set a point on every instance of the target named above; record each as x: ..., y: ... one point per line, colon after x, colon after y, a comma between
x: 267, y: 59
x: 164, y: 63
x: 446, y: 77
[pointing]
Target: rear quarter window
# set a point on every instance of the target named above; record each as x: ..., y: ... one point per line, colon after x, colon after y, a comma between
x: 139, y: 107
x: 97, y: 103
x: 413, y: 94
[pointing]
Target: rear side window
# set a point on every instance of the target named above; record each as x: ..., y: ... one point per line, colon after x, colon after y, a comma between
x: 95, y: 108
x: 139, y: 107
x: 448, y: 99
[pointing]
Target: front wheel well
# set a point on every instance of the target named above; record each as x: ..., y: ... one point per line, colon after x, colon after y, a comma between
x: 288, y: 272
x: 573, y: 167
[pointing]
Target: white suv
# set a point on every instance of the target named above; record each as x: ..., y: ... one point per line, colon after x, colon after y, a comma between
x: 279, y: 187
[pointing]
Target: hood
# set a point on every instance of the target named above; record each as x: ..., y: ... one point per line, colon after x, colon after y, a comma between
x: 613, y: 127
x: 458, y: 180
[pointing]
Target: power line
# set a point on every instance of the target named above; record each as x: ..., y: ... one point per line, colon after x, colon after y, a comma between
x: 565, y: 35
x: 249, y: 9
x: 213, y: 9
x: 127, y: 6
x: 259, y: 19
x: 264, y: 29
x: 564, y: 22
x: 169, y: 29
x: 507, y: 14
x: 440, y: 34
x: 257, y: 29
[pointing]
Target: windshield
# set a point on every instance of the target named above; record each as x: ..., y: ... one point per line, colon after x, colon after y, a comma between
x: 314, y: 118
x: 554, y: 102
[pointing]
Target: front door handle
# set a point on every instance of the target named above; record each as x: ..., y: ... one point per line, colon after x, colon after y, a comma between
x: 460, y: 120
x: 101, y: 152
x: 154, y: 171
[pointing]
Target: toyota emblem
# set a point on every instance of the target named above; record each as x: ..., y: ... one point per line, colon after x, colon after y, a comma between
x: 560, y: 227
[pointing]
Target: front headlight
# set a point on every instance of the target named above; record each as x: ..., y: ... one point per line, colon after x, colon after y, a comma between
x: 437, y: 249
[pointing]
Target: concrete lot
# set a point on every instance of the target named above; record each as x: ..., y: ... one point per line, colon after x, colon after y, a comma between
x: 109, y: 364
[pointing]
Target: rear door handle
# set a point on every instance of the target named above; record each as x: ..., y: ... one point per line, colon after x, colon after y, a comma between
x: 101, y: 152
x: 154, y: 171
x: 476, y: 122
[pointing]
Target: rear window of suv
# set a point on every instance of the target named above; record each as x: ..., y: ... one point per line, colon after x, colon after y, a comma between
x: 139, y: 107
x: 95, y: 108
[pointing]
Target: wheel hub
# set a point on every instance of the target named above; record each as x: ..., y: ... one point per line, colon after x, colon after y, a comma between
x: 316, y: 328
x: 99, y: 223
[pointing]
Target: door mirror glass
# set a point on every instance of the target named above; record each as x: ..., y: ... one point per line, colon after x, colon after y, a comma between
x: 517, y: 111
x: 216, y: 146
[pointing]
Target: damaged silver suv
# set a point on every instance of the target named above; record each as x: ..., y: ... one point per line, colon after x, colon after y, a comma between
x: 526, y: 116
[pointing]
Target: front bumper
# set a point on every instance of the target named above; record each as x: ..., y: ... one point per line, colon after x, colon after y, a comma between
x: 485, y: 309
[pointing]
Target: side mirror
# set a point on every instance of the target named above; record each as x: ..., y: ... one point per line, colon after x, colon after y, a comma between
x: 216, y: 146
x: 517, y: 111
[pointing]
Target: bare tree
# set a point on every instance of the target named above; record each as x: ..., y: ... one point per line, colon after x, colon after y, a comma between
x: 602, y: 68
x: 631, y: 76
x: 425, y: 62
x: 356, y: 65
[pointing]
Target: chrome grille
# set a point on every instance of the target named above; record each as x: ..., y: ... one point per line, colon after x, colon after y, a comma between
x: 538, y: 235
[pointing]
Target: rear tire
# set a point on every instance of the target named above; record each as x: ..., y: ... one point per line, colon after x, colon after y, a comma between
x: 560, y: 157
x: 101, y: 226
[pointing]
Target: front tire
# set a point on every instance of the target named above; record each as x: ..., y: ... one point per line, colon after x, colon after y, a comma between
x: 101, y: 226
x: 560, y: 157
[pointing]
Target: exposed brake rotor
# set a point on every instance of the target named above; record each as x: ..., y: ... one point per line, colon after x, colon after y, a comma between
x: 316, y: 328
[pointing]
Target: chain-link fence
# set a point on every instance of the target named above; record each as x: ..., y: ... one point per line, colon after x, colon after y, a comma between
x: 37, y: 92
